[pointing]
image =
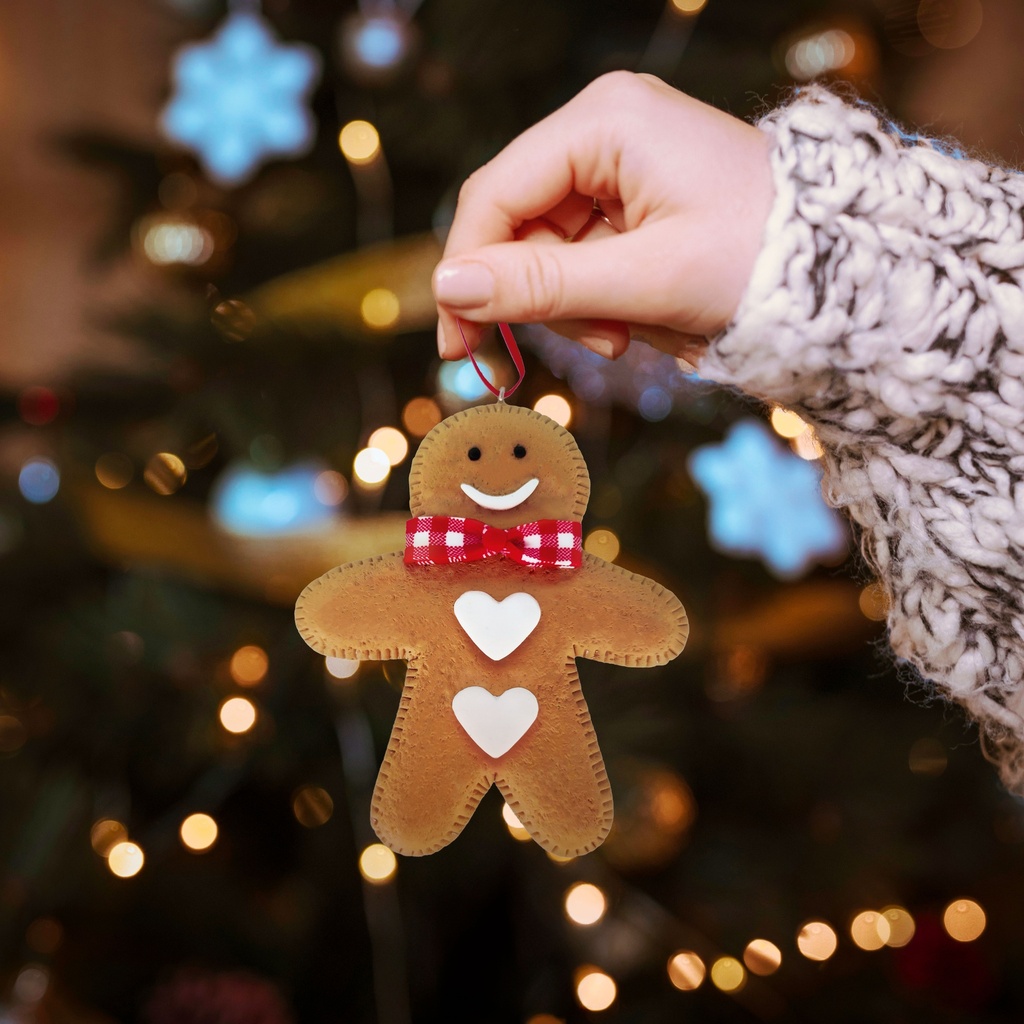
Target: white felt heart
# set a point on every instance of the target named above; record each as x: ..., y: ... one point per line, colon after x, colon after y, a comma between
x: 497, y: 627
x: 495, y: 724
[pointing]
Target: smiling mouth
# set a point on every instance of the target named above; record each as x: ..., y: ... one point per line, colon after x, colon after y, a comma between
x: 501, y: 502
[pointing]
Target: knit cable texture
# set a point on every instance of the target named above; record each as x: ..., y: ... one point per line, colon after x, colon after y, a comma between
x: 886, y: 307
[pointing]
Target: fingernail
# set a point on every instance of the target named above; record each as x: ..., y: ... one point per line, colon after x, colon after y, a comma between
x: 463, y: 284
x: 602, y: 346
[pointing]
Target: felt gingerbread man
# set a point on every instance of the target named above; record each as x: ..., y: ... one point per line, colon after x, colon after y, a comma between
x: 491, y: 602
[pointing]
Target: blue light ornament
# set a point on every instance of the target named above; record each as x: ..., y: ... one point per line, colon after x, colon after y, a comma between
x: 766, y: 501
x: 252, y: 503
x: 240, y: 98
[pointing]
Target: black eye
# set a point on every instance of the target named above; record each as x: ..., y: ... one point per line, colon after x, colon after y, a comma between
x: 473, y: 453
x: 519, y: 452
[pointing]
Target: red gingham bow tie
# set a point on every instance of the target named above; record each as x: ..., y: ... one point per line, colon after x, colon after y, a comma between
x: 443, y: 540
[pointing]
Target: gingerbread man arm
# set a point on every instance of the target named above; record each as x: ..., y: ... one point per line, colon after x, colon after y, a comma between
x: 349, y: 612
x: 626, y: 619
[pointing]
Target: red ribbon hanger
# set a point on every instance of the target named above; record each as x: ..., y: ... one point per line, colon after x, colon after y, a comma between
x: 513, y: 350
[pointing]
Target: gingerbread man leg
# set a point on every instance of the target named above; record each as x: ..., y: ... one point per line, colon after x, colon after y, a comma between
x: 431, y: 779
x: 554, y: 778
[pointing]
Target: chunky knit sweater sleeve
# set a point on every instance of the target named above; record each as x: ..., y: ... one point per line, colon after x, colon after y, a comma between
x: 887, y: 308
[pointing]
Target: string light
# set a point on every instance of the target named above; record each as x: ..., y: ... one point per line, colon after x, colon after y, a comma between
x: 514, y: 825
x: 595, y: 990
x: 762, y: 957
x: 585, y: 903
x: 165, y: 473
x: 380, y: 309
x: 603, y: 543
x: 787, y: 424
x: 237, y: 714
x: 105, y: 834
x: 371, y: 466
x: 820, y: 52
x: 806, y: 445
x: 686, y: 970
x: 198, y: 832
x: 377, y: 864
x: 341, y: 668
x: 114, y: 470
x: 166, y: 239
x: 555, y: 407
x: 817, y: 940
x: 312, y: 806
x: 964, y: 920
x: 688, y: 7
x: 125, y: 859
x: 392, y: 442
x: 249, y: 665
x: 38, y: 406
x: 420, y: 416
x: 359, y: 142
x: 869, y: 930
x: 727, y: 974
x: 901, y: 926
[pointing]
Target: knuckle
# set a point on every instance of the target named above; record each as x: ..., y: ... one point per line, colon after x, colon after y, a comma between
x: 471, y: 187
x: 542, y: 283
x: 616, y: 84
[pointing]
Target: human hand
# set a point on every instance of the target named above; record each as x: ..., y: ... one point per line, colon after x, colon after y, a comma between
x: 633, y: 211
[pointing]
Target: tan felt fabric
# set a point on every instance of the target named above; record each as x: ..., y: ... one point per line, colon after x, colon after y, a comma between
x: 433, y: 774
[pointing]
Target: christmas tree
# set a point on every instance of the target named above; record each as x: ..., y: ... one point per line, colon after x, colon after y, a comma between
x: 802, y: 832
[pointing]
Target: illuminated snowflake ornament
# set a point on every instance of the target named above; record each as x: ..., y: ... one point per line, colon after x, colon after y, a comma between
x: 766, y: 501
x: 240, y: 98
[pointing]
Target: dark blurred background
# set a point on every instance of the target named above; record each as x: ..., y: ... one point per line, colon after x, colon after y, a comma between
x: 215, y: 363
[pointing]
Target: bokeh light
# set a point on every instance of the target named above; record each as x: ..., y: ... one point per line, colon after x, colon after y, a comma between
x: 603, y: 543
x: 762, y: 957
x: 927, y: 757
x: 555, y: 407
x: 233, y: 319
x: 819, y: 53
x: 807, y: 446
x: 964, y: 920
x: 392, y: 442
x: 874, y: 602
x: 105, y: 834
x: 686, y: 970
x: 114, y: 470
x: 38, y: 406
x: 39, y: 480
x: 249, y: 665
x: 688, y: 6
x: 728, y: 974
x: 167, y: 239
x: 341, y: 668
x: 165, y: 473
x: 237, y: 714
x: 380, y: 309
x: 901, y: 926
x: 514, y: 825
x: 585, y: 903
x: 377, y: 864
x: 30, y: 986
x: 312, y: 806
x: 125, y: 859
x: 330, y: 487
x: 198, y: 832
x: 371, y: 466
x: 359, y: 142
x: 869, y: 930
x: 595, y: 990
x: 949, y: 24
x: 12, y: 734
x: 817, y: 940
x: 420, y: 416
x: 787, y: 424
x: 44, y: 936
x: 460, y: 378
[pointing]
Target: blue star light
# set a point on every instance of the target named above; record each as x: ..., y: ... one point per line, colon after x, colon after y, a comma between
x: 765, y: 501
x: 240, y: 98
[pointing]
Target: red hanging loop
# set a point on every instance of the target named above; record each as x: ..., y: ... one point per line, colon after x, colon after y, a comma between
x: 513, y: 350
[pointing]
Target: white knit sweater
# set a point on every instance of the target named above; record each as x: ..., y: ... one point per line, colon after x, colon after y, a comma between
x: 886, y: 307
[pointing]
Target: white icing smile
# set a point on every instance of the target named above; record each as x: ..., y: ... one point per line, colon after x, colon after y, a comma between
x: 501, y: 502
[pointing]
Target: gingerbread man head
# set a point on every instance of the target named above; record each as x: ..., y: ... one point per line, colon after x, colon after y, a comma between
x: 501, y: 464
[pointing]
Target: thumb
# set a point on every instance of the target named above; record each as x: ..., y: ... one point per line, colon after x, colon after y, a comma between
x: 632, y: 277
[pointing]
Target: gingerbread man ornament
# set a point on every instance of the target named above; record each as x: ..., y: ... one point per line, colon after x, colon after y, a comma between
x: 491, y: 603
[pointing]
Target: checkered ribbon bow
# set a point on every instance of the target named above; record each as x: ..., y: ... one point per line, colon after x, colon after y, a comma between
x: 444, y: 540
